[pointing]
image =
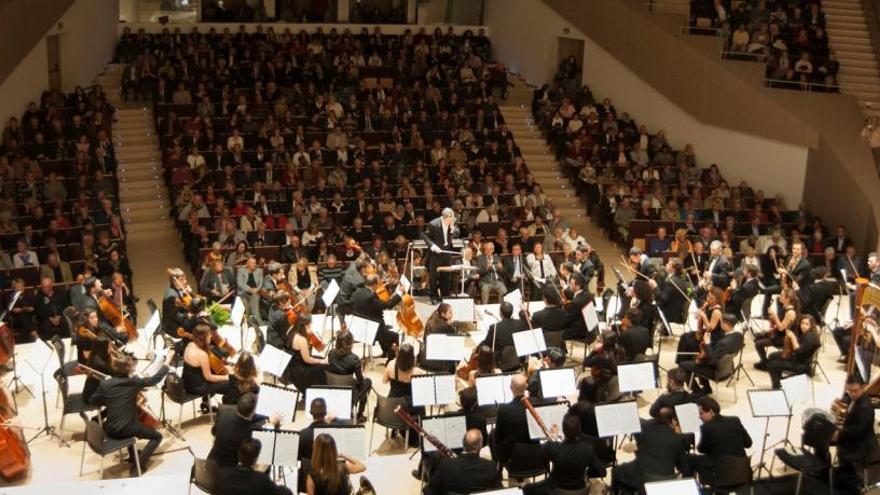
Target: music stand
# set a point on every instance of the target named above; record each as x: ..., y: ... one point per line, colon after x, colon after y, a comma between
x: 767, y: 403
x: 16, y: 381
x: 39, y: 358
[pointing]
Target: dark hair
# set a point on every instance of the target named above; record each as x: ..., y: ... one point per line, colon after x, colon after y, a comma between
x: 643, y: 290
x: 301, y: 323
x: 468, y: 398
x: 506, y: 309
x: 666, y: 415
x: 677, y: 375
x: 246, y: 372
x: 707, y: 403
x: 571, y: 426
x: 249, y: 451
x: 551, y: 297
x: 579, y: 279
x: 557, y: 357
x: 318, y: 408
x: 406, y: 358
x: 344, y: 343
x: 729, y: 318
x: 634, y: 315
x: 247, y: 404
x: 854, y: 379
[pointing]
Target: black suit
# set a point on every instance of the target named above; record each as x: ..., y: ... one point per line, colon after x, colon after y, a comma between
x: 291, y: 255
x: 229, y: 431
x: 670, y: 300
x: 856, y: 440
x: 510, y: 263
x: 172, y: 314
x: 240, y: 480
x: 635, y: 340
x: 802, y: 273
x: 276, y: 330
x: 576, y: 328
x: 743, y: 293
x: 466, y: 473
x: 571, y: 459
x: 660, y: 450
x: 720, y: 436
x: 550, y: 319
x: 366, y: 304
x: 501, y: 333
x: 511, y: 427
x: 670, y: 400
x: 720, y: 272
x: 434, y: 236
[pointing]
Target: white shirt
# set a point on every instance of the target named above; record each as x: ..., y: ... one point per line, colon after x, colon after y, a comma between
x: 535, y: 267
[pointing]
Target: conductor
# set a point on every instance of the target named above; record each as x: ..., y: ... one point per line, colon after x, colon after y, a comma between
x: 438, y: 236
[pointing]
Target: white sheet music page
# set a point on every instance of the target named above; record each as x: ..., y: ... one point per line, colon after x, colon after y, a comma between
x: 152, y: 323
x: 272, y: 400
x: 462, y: 308
x: 423, y: 390
x: 287, y: 448
x: 362, y: 329
x: 338, y: 400
x: 768, y: 403
x: 688, y: 415
x: 436, y: 427
x: 551, y: 415
x: 351, y: 441
x: 442, y: 347
x: 450, y: 430
x: 797, y: 389
x: 444, y: 387
x: 330, y: 293
x: 515, y: 298
x: 273, y: 360
x: 684, y: 486
x: 490, y: 390
x: 558, y: 382
x: 528, y: 342
x: 617, y: 419
x: 267, y: 448
x: 236, y: 315
x: 591, y: 317
x: 636, y: 377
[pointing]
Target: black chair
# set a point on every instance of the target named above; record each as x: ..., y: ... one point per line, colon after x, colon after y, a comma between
x: 816, y: 439
x: 103, y: 445
x: 71, y: 403
x: 260, y: 339
x: 527, y: 460
x: 384, y: 415
x: 173, y: 389
x: 509, y: 361
x: 554, y: 339
x: 202, y: 475
x: 732, y: 474
x: 725, y: 371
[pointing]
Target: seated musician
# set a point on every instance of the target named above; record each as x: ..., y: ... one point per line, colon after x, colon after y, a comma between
x: 330, y: 469
x: 244, y: 379
x: 467, y: 472
x: 119, y: 395
x: 398, y: 374
x: 122, y: 296
x: 552, y: 317
x: 304, y: 370
x: 708, y: 319
x: 743, y: 291
x: 660, y: 451
x: 802, y: 343
x: 675, y: 393
x: 485, y: 365
x: 342, y: 361
x: 173, y: 310
x: 511, y: 426
x: 855, y: 440
x: 491, y: 271
x: 500, y: 333
x: 575, y: 327
x: 95, y: 291
x: 49, y: 305
x: 198, y: 377
x: 601, y: 384
x: 217, y: 282
x: 440, y: 322
x: 553, y: 358
x: 843, y: 338
x: 89, y: 328
x: 303, y: 280
x: 775, y: 337
x: 671, y: 292
x: 100, y: 358
x: 366, y: 303
x: 815, y: 297
x: 643, y: 300
x: 715, y: 347
x: 21, y: 316
x: 234, y: 425
x: 243, y: 479
x: 515, y: 267
x: 352, y: 280
x: 278, y: 325
x: 719, y: 436
x: 572, y: 459
x: 269, y: 287
x: 635, y: 339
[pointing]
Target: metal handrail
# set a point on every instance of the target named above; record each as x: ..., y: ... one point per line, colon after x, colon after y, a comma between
x: 803, y: 86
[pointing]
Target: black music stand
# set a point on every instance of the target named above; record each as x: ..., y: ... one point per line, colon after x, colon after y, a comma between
x: 16, y: 381
x: 768, y: 403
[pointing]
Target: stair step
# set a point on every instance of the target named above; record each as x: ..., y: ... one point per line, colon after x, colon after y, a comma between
x: 848, y: 36
x: 859, y: 79
x: 855, y: 58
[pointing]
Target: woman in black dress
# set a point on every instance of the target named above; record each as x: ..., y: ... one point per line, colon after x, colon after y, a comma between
x: 243, y: 379
x: 398, y: 374
x: 198, y: 378
x: 304, y: 369
x: 330, y: 469
x: 342, y: 361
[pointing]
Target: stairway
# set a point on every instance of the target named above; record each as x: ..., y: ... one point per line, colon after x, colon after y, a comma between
x: 542, y: 163
x: 849, y: 38
x: 152, y: 241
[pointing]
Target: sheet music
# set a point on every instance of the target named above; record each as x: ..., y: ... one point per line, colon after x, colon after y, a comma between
x: 621, y: 418
x: 559, y: 382
x: 797, y: 389
x: 236, y: 314
x: 405, y: 284
x: 448, y: 429
x: 462, y: 308
x: 493, y: 389
x: 273, y: 360
x: 429, y: 390
x: 146, y: 485
x: 515, y: 298
x: 350, y: 440
x: 684, y: 486
x: 273, y: 399
x: 768, y: 403
x: 330, y: 293
x: 338, y: 400
x: 502, y: 491
x: 287, y: 448
x: 267, y: 450
x: 155, y: 365
x: 591, y: 317
x: 152, y: 323
x: 41, y: 353
x: 551, y: 415
x: 443, y: 347
x: 636, y: 377
x: 362, y: 329
x: 529, y: 342
x: 688, y: 415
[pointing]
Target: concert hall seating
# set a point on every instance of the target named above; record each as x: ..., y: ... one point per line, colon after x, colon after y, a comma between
x: 433, y: 137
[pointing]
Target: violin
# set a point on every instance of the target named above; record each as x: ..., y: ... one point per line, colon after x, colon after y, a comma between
x: 219, y: 350
x: 145, y: 415
x: 185, y: 291
x: 472, y: 364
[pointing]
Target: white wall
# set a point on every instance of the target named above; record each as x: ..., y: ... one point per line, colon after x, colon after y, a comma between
x: 87, y: 37
x: 530, y: 50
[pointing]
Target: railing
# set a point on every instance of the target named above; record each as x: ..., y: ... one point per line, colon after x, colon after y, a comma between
x: 809, y: 87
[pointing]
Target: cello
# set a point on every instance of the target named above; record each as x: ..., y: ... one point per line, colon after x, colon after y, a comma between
x: 15, y: 458
x: 407, y: 317
x: 7, y: 344
x: 115, y: 316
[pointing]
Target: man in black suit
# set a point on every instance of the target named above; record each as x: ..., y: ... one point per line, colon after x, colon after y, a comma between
x: 641, y: 261
x: 511, y: 426
x: 742, y: 292
x: 438, y: 235
x: 576, y: 327
x: 500, y: 334
x: 730, y: 342
x: 675, y: 393
x: 798, y: 267
x: 352, y: 280
x: 874, y: 268
x: 173, y: 313
x: 634, y: 339
x: 118, y: 395
x: 515, y: 268
x: 815, y: 296
x: 855, y: 440
x: 572, y: 459
x: 277, y: 324
x: 233, y: 426
x: 720, y: 436
x: 217, y: 282
x: 659, y: 452
x: 243, y: 479
x: 94, y: 291
x: 670, y: 292
x: 552, y: 318
x: 366, y: 304
x: 466, y: 473
x: 719, y: 268
x: 292, y: 251
x: 269, y: 287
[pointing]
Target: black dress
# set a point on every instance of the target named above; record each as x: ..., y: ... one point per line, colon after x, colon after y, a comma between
x: 344, y: 486
x: 194, y: 382
x: 302, y: 374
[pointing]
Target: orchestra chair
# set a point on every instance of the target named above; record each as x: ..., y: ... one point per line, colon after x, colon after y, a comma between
x: 740, y: 369
x: 755, y: 317
x: 725, y: 372
x: 569, y: 349
x: 527, y: 460
x: 348, y: 381
x: 67, y: 367
x: 260, y: 338
x: 815, y: 438
x: 732, y: 473
x: 554, y: 339
x: 69, y: 315
x: 174, y: 391
x: 171, y: 344
x: 509, y: 361
x: 70, y: 403
x: 201, y: 475
x: 384, y: 415
x: 103, y: 445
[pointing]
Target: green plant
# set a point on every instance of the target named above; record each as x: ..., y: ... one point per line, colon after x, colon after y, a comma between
x: 219, y: 314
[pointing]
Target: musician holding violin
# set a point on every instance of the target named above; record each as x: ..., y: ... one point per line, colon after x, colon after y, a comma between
x: 713, y: 347
x: 304, y: 370
x: 120, y: 396
x: 366, y: 303
x: 90, y: 328
x: 94, y: 293
x: 775, y: 337
x: 708, y: 323
x: 801, y: 343
x: 175, y: 301
x: 272, y: 280
x: 199, y: 377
